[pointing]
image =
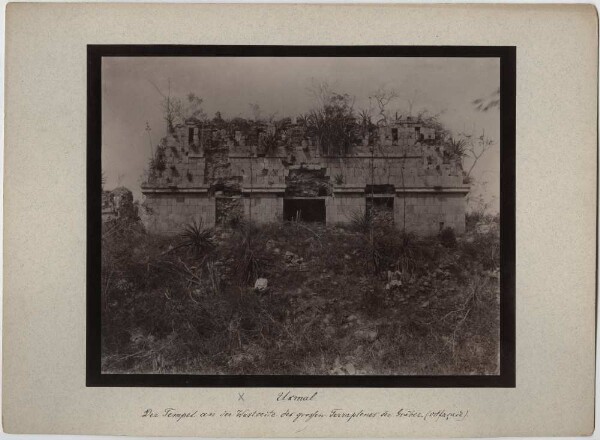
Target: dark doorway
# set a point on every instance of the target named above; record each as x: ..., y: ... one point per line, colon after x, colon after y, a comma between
x: 306, y: 210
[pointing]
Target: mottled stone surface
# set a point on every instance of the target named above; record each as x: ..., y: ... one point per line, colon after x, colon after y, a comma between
x: 206, y: 168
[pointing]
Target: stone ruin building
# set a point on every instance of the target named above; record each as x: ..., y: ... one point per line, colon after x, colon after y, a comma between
x: 221, y: 171
x: 118, y: 204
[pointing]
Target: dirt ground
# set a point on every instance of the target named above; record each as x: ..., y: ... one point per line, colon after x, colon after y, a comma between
x: 298, y: 298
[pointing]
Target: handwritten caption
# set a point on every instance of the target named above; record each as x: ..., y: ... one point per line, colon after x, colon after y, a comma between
x: 300, y: 416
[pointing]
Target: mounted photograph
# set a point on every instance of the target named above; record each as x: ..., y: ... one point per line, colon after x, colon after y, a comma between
x: 300, y: 216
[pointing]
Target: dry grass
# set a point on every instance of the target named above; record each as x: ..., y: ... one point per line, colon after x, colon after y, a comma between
x: 327, y: 310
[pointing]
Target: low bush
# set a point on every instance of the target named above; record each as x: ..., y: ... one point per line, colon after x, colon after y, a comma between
x: 196, y: 238
x: 192, y: 309
x: 447, y: 237
x: 473, y: 218
x: 360, y: 222
x: 484, y: 249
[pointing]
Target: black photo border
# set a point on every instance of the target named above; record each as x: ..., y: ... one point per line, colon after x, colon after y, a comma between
x: 506, y: 378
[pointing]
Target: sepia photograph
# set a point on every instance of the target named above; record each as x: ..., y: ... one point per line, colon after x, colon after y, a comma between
x: 317, y: 216
x: 246, y: 222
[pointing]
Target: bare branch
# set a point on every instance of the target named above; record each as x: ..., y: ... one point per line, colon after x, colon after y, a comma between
x: 157, y: 89
x: 489, y: 102
x: 475, y: 149
x: 382, y: 98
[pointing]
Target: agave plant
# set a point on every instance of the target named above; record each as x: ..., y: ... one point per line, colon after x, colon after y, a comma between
x: 196, y: 238
x: 456, y: 147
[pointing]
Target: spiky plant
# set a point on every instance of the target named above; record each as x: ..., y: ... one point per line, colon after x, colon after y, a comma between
x: 270, y: 144
x: 360, y: 221
x: 456, y: 147
x: 196, y: 238
x: 251, y: 260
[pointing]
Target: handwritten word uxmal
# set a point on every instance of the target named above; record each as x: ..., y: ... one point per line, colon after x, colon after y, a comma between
x: 295, y: 397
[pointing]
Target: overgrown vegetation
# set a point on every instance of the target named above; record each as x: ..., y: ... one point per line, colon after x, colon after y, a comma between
x: 333, y: 122
x: 197, y: 239
x: 340, y: 300
x: 158, y: 163
x: 448, y: 237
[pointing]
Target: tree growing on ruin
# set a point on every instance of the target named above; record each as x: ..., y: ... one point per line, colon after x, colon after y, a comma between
x: 177, y: 110
x: 332, y: 119
x: 192, y: 108
x: 411, y: 101
x: 256, y: 111
x: 157, y: 164
x: 432, y: 120
x: 382, y: 98
x: 303, y: 119
x: 269, y: 144
x: 455, y: 147
x: 365, y: 118
x: 475, y: 148
x: 218, y: 118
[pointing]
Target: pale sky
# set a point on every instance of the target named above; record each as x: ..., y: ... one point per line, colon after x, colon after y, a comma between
x: 280, y: 84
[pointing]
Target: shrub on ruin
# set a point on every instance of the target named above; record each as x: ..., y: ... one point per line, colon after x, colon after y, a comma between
x: 447, y: 237
x: 483, y: 249
x: 158, y: 162
x: 360, y: 221
x: 472, y: 218
x: 269, y: 144
x: 479, y: 215
x: 196, y: 238
x: 235, y: 220
x: 332, y: 122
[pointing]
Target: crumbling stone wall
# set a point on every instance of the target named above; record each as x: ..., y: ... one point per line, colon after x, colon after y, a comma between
x: 400, y: 171
x: 119, y: 204
x: 308, y: 181
x: 428, y: 213
x: 208, y: 166
x: 228, y: 210
x: 344, y: 207
x: 259, y: 172
x: 263, y: 208
x: 168, y: 213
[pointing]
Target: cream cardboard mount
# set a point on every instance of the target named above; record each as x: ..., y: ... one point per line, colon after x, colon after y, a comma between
x: 46, y: 326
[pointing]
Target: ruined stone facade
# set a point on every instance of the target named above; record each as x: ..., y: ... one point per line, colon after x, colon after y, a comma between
x: 118, y: 204
x: 219, y: 172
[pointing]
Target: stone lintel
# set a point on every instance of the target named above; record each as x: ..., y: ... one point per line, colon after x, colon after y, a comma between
x: 308, y: 166
x: 438, y: 189
x: 306, y: 198
x: 234, y: 155
x: 349, y: 189
x: 271, y: 190
x: 376, y: 156
x: 174, y: 191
